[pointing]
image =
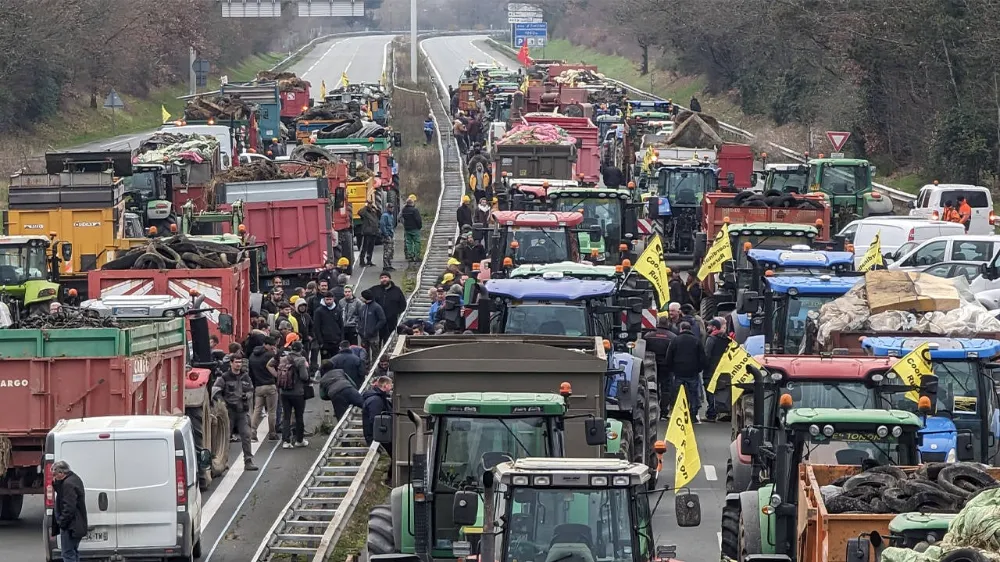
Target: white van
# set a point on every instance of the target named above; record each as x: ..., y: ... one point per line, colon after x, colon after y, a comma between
x: 141, y: 479
x: 894, y: 233
x: 966, y: 247
x: 932, y: 197
x: 220, y: 132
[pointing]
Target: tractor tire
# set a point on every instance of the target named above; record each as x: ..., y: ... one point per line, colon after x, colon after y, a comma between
x: 381, y: 535
x: 651, y: 414
x: 749, y: 535
x: 964, y: 555
x: 627, y: 440
x: 709, y: 307
x: 730, y: 482
x: 218, y: 437
x: 10, y: 507
x: 731, y: 532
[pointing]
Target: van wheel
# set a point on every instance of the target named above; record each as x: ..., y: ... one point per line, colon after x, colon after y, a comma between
x: 10, y: 507
x: 196, y: 551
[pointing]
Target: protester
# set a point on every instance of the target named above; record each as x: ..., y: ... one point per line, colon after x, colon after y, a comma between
x: 657, y: 343
x: 371, y: 321
x: 285, y: 315
x: 964, y: 212
x: 265, y: 391
x: 387, y: 230
x: 392, y: 300
x: 377, y: 401
x: 351, y: 364
x: 349, y: 308
x: 715, y: 349
x: 429, y: 129
x: 328, y: 326
x: 315, y: 301
x: 235, y: 388
x: 270, y: 303
x: 70, y: 517
x: 686, y: 360
x: 412, y: 224
x: 300, y: 313
x: 382, y: 369
x: 470, y: 252
x: 369, y: 232
x: 678, y: 291
x: 328, y: 274
x: 464, y: 213
x: 697, y: 324
x: 338, y: 286
x: 337, y: 387
x: 292, y: 377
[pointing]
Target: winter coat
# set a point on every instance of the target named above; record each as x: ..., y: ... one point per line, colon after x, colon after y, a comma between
x: 464, y: 214
x: 657, y: 342
x: 300, y: 375
x: 387, y: 225
x: 391, y: 299
x: 338, y: 388
x: 376, y: 402
x: 351, y: 364
x: 259, y: 374
x: 71, y: 506
x: 428, y: 125
x: 328, y: 326
x: 305, y: 324
x: 371, y: 320
x: 715, y: 349
x: 469, y: 255
x: 411, y: 218
x: 686, y: 356
x: 369, y: 221
x: 233, y: 388
x: 349, y: 310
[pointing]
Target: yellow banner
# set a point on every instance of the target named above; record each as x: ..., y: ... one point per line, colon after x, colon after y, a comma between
x: 873, y: 256
x: 680, y: 434
x: 344, y: 80
x: 652, y: 267
x: 913, y: 366
x: 164, y: 113
x: 524, y: 85
x: 734, y: 361
x: 322, y: 89
x: 720, y: 252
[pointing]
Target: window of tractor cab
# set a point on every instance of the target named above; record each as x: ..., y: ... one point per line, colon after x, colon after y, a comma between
x: 854, y: 447
x: 824, y: 394
x: 600, y: 211
x: 789, y: 181
x: 844, y: 180
x: 583, y: 525
x: 793, y: 315
x: 555, y: 319
x: 465, y: 439
x: 686, y: 187
x: 539, y: 245
x: 21, y: 263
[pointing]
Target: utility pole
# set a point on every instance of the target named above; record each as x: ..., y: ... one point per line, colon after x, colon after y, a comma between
x: 192, y: 79
x: 413, y: 41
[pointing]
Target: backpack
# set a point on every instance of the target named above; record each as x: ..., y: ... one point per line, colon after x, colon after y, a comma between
x: 286, y: 374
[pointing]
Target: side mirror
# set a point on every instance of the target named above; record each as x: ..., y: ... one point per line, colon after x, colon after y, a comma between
x: 858, y: 550
x: 382, y: 428
x: 204, y: 459
x: 747, y: 302
x: 67, y: 251
x: 653, y: 208
x: 989, y: 271
x: 597, y: 432
x: 687, y: 508
x: 493, y: 458
x: 929, y: 388
x: 963, y: 446
x: 750, y: 440
x: 226, y: 324
x: 352, y: 167
x: 911, y: 204
x: 595, y: 234
x: 465, y: 508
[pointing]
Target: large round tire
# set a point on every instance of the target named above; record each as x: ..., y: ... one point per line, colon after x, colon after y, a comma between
x: 218, y: 437
x: 10, y: 507
x: 381, y: 537
x: 964, y: 555
x: 709, y: 307
x: 731, y: 532
x: 730, y: 479
x: 627, y: 441
x: 749, y: 534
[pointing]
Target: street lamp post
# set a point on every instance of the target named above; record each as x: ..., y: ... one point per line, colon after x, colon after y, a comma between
x: 413, y: 41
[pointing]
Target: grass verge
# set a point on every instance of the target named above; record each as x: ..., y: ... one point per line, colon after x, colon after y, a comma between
x: 355, y: 535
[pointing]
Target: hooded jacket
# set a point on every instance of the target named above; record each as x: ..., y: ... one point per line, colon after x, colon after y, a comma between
x: 328, y: 325
x: 339, y: 389
x: 349, y: 310
x: 258, y: 367
x: 371, y: 320
x: 369, y: 221
x: 376, y: 402
x: 391, y: 299
x: 686, y: 356
x: 347, y: 361
x: 410, y: 217
x: 300, y: 375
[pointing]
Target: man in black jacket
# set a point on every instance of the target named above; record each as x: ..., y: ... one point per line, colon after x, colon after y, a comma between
x: 234, y: 387
x: 347, y: 361
x: 686, y: 361
x: 470, y: 252
x: 70, y: 521
x: 464, y: 213
x: 392, y: 300
x: 412, y: 223
x: 328, y: 326
x: 336, y: 387
x: 265, y: 393
x: 715, y: 349
x: 657, y: 342
x: 369, y: 216
x: 377, y: 401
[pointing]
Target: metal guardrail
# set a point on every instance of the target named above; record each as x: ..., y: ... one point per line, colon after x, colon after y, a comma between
x: 894, y: 194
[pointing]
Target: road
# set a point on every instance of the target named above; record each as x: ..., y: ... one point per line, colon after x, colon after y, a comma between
x: 240, y: 507
x: 360, y: 57
x: 449, y: 57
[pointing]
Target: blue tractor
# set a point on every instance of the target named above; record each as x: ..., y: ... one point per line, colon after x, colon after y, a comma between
x: 967, y: 395
x: 558, y: 305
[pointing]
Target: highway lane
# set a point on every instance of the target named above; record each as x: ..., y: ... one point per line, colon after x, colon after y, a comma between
x: 450, y: 56
x: 240, y: 507
x: 361, y: 57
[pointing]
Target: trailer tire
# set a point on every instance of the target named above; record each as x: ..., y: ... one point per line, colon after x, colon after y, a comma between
x: 10, y: 507
x: 380, y: 531
x: 731, y: 532
x: 742, y: 196
x: 219, y: 438
x: 964, y: 555
x: 963, y: 479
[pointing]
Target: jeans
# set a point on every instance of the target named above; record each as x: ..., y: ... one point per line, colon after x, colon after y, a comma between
x: 691, y: 386
x: 665, y: 385
x: 428, y: 135
x: 241, y: 424
x: 296, y: 404
x: 351, y: 334
x: 265, y: 397
x: 710, y: 411
x: 68, y: 546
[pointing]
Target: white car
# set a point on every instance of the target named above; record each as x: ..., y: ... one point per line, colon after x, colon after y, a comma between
x: 894, y: 233
x: 966, y: 247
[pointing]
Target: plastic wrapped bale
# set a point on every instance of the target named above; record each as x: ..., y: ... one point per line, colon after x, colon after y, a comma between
x: 537, y: 135
x: 847, y: 313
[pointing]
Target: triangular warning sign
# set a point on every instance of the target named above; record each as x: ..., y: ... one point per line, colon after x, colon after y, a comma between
x: 838, y: 139
x: 113, y: 101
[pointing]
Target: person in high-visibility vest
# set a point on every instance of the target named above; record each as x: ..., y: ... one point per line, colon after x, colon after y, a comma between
x: 479, y: 182
x: 950, y: 214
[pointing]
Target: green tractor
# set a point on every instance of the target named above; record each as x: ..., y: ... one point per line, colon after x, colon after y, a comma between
x: 29, y: 275
x: 847, y: 183
x: 456, y: 435
x: 581, y: 510
x: 613, y: 210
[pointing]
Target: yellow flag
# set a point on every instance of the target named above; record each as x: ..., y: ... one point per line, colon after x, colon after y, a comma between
x: 720, y: 252
x: 913, y: 366
x: 344, y: 80
x: 873, y: 256
x: 680, y: 434
x: 164, y: 113
x: 482, y: 82
x: 322, y: 89
x: 648, y: 157
x: 524, y: 85
x: 734, y: 361
x: 651, y: 266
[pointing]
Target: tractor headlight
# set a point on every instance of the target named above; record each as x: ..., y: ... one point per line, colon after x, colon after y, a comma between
x: 598, y: 481
x: 882, y: 431
x: 775, y: 501
x: 620, y: 481
x: 828, y: 430
x: 519, y: 480
x: 952, y: 456
x: 47, y: 293
x: 897, y: 431
x: 814, y: 430
x: 542, y: 481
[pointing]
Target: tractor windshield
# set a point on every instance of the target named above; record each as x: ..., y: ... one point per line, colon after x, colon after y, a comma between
x: 844, y: 180
x: 597, y: 211
x: 464, y: 440
x: 788, y: 181
x: 540, y: 245
x: 555, y: 319
x: 824, y: 394
x: 570, y: 524
x: 685, y: 187
x: 853, y: 447
x: 792, y: 324
x: 22, y: 263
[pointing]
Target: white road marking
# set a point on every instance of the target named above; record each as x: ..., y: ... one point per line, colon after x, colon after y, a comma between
x: 211, y: 507
x: 710, y: 473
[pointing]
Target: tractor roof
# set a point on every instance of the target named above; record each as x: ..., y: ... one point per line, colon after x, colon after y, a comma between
x: 495, y: 404
x: 795, y: 257
x: 941, y: 348
x: 549, y: 289
x: 572, y: 473
x: 21, y: 240
x: 542, y: 219
x: 801, y: 416
x: 801, y: 368
x: 772, y: 228
x: 596, y: 192
x: 573, y: 269
x: 811, y: 285
x: 839, y: 161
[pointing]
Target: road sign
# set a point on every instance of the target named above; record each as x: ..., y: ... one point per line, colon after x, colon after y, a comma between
x: 538, y: 19
x: 113, y: 101
x: 532, y: 34
x: 516, y: 7
x: 836, y: 155
x: 201, y: 65
x: 838, y: 139
x: 201, y: 79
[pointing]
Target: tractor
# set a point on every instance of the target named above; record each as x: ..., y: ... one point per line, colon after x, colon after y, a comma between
x: 612, y: 210
x: 29, y: 275
x: 520, y: 237
x: 847, y: 184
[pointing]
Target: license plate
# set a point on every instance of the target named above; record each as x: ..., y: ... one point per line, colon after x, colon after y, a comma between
x: 99, y: 534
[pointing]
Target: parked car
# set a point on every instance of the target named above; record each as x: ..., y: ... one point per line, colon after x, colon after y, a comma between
x: 949, y: 269
x: 894, y: 232
x: 932, y: 197
x: 966, y: 247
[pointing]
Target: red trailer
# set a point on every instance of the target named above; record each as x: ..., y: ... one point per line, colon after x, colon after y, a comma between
x: 588, y: 161
x: 736, y: 159
x: 225, y: 289
x: 294, y: 102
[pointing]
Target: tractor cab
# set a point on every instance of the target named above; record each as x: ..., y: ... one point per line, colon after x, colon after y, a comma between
x: 967, y: 398
x: 676, y: 204
x: 786, y: 178
x: 609, y: 209
x: 29, y: 275
x: 149, y: 196
x: 847, y: 183
x: 527, y: 194
x: 523, y: 237
x: 576, y: 270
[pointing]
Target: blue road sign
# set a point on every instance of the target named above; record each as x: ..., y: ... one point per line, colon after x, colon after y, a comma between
x: 534, y: 34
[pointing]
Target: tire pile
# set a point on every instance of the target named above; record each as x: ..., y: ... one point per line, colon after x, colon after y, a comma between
x: 203, y: 108
x: 68, y: 318
x: 773, y: 199
x: 178, y: 252
x: 933, y: 488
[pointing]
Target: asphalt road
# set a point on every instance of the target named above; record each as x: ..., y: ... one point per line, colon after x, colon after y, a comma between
x: 360, y: 57
x: 241, y: 506
x: 450, y: 56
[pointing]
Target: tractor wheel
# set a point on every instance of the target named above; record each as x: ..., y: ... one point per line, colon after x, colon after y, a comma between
x: 709, y: 307
x: 731, y: 532
x: 749, y: 535
x: 380, y: 531
x: 730, y: 479
x: 627, y: 440
x: 10, y: 507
